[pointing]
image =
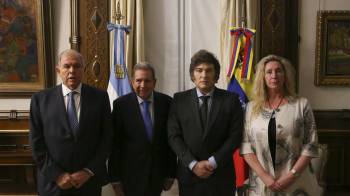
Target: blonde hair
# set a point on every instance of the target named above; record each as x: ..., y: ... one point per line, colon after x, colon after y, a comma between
x: 260, y: 95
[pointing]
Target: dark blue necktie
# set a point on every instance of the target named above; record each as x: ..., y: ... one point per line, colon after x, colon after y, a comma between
x: 72, y: 112
x: 147, y: 119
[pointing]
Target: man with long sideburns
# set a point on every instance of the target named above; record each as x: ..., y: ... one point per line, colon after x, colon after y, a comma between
x: 205, y: 127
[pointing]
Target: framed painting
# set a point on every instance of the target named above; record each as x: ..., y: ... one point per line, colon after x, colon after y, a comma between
x: 333, y: 48
x: 25, y: 47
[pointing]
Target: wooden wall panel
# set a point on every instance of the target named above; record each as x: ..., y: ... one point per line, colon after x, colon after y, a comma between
x: 278, y: 30
x: 17, y: 169
x: 90, y: 37
x: 334, y: 130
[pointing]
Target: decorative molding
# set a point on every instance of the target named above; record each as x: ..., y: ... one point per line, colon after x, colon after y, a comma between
x: 329, y: 67
x: 14, y: 121
x: 279, y: 30
x: 14, y: 114
x: 333, y: 121
x: 90, y: 36
x: 74, y: 13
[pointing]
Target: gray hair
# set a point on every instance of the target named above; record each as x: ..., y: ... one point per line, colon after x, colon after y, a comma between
x: 71, y: 53
x: 143, y: 66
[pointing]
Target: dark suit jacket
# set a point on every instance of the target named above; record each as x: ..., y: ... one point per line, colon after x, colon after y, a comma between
x: 140, y: 165
x: 191, y: 142
x: 57, y: 150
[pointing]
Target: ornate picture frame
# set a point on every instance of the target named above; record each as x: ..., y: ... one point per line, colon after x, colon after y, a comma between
x: 26, y: 64
x: 333, y: 48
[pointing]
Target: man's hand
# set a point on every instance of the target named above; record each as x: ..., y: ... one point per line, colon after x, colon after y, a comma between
x: 168, y: 183
x: 80, y: 177
x: 203, y: 169
x: 64, y: 181
x: 118, y: 189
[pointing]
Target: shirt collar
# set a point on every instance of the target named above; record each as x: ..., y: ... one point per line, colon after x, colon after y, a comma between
x: 140, y: 100
x: 200, y: 94
x: 66, y: 90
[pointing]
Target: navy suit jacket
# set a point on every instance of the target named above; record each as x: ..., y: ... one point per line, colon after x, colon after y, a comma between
x: 139, y: 164
x: 56, y: 150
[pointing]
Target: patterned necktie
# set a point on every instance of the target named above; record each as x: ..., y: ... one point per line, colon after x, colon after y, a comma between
x: 204, y: 110
x: 72, y: 112
x: 147, y: 119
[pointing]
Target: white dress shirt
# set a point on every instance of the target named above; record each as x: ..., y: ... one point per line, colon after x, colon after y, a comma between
x: 76, y: 96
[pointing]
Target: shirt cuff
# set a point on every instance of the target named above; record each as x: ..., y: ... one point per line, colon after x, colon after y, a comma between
x: 212, y: 162
x: 89, y: 171
x: 192, y: 164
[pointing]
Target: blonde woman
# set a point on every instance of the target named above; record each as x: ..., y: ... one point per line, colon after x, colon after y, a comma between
x: 280, y: 137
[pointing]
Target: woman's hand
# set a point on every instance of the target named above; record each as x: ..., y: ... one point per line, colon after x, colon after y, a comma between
x: 270, y: 182
x: 286, y: 180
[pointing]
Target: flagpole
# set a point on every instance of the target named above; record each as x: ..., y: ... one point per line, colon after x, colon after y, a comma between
x: 118, y: 84
x: 243, y: 14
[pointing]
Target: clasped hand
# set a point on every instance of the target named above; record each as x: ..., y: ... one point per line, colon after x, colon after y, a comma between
x: 278, y: 185
x: 76, y: 180
x: 203, y: 169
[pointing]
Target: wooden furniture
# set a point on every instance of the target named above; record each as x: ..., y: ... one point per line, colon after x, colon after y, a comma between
x: 17, y: 171
x: 334, y: 130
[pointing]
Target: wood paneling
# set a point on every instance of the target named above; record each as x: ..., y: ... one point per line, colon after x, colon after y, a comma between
x: 90, y: 37
x: 278, y: 30
x: 334, y: 130
x: 17, y: 170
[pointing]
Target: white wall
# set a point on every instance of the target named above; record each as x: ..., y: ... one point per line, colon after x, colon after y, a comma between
x: 174, y: 31
x: 320, y: 97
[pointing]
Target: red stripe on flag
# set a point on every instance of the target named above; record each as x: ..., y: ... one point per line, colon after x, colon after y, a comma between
x: 241, y: 168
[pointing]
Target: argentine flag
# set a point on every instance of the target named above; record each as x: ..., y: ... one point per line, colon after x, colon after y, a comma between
x: 118, y: 84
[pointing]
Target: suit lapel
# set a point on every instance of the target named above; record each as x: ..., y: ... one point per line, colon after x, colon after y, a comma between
x: 194, y: 107
x: 135, y: 107
x: 214, y: 111
x: 85, y: 101
x: 61, y: 108
x: 157, y: 109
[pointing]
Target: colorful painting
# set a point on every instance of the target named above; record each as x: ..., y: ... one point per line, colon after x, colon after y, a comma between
x: 333, y: 48
x: 18, y: 43
x: 338, y: 58
x: 23, y: 57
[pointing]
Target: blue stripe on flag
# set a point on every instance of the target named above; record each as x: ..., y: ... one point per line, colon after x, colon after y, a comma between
x: 234, y: 86
x: 119, y: 85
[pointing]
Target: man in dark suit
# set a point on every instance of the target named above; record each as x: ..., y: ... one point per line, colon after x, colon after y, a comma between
x: 70, y: 133
x: 141, y: 163
x: 204, y: 127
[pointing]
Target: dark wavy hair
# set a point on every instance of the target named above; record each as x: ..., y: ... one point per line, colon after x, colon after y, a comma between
x: 204, y: 56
